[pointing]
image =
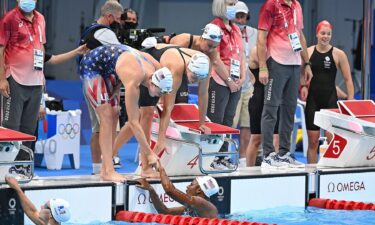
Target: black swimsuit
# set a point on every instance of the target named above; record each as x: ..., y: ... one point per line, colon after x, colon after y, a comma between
x: 183, y: 91
x: 322, y: 90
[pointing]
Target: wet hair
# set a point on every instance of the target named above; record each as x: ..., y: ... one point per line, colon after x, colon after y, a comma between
x: 111, y: 7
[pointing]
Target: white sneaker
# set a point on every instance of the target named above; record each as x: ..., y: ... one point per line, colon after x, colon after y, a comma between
x: 228, y: 163
x: 116, y: 162
x: 289, y: 158
x: 272, y: 161
x: 217, y: 164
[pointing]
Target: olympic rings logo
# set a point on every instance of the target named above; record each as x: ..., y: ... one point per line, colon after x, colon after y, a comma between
x: 69, y: 130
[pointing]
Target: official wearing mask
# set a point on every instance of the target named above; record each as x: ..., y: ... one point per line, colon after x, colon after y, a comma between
x: 22, y: 39
x: 225, y: 86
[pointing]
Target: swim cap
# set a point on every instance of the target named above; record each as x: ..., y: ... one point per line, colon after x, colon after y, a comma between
x: 323, y: 23
x: 60, y: 209
x: 208, y: 185
x: 163, y: 79
x: 212, y: 32
x: 199, y: 64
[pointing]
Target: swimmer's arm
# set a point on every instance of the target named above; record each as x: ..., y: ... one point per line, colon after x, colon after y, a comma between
x: 172, y: 191
x: 169, y: 99
x: 161, y: 207
x: 27, y: 206
x: 130, y: 74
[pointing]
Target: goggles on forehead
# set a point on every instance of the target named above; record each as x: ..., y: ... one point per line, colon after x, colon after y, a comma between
x: 215, y: 37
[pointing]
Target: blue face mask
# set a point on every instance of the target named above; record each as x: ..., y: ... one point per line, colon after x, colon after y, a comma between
x: 27, y: 5
x: 231, y: 12
x: 241, y: 26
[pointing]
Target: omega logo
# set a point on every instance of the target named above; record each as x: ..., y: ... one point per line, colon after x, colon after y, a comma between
x: 142, y: 199
x: 346, y: 186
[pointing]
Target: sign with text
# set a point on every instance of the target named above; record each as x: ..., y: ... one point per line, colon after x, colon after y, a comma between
x: 139, y: 199
x: 352, y: 186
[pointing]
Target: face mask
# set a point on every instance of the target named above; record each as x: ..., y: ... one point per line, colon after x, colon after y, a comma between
x: 130, y: 25
x: 241, y: 26
x: 27, y: 5
x: 231, y: 12
x: 115, y: 26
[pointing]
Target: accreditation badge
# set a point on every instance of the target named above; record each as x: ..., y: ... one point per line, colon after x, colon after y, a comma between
x: 235, y: 67
x: 295, y: 42
x: 38, y: 59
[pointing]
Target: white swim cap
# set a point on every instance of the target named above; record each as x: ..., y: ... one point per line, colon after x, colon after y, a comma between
x: 60, y: 210
x: 163, y: 79
x: 241, y: 7
x: 208, y: 185
x: 212, y: 32
x: 199, y: 64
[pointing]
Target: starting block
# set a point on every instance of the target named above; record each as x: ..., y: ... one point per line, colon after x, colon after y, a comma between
x: 63, y: 138
x: 10, y: 144
x: 188, y: 151
x: 353, y: 126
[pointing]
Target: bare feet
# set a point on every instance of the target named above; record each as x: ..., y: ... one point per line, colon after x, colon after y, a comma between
x: 112, y: 176
x: 149, y: 173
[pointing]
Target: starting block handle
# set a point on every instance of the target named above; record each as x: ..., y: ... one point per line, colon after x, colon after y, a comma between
x: 22, y: 179
x: 235, y: 154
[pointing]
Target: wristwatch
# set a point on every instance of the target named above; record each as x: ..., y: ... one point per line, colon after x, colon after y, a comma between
x: 308, y: 63
x: 229, y: 79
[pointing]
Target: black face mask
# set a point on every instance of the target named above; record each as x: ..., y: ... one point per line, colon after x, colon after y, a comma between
x: 130, y: 25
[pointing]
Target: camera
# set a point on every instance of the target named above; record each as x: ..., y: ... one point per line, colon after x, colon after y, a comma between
x: 135, y: 37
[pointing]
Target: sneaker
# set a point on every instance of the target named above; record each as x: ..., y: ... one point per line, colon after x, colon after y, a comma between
x: 291, y: 160
x: 227, y: 162
x: 217, y: 164
x: 116, y: 162
x: 24, y: 170
x: 272, y: 160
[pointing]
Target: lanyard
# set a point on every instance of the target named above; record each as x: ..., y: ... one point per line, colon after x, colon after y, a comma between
x: 32, y: 38
x: 232, y: 38
x: 285, y: 21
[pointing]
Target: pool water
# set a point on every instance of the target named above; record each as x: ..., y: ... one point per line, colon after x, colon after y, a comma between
x: 291, y: 216
x: 309, y: 216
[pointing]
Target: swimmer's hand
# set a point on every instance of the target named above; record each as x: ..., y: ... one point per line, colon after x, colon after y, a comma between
x: 143, y: 184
